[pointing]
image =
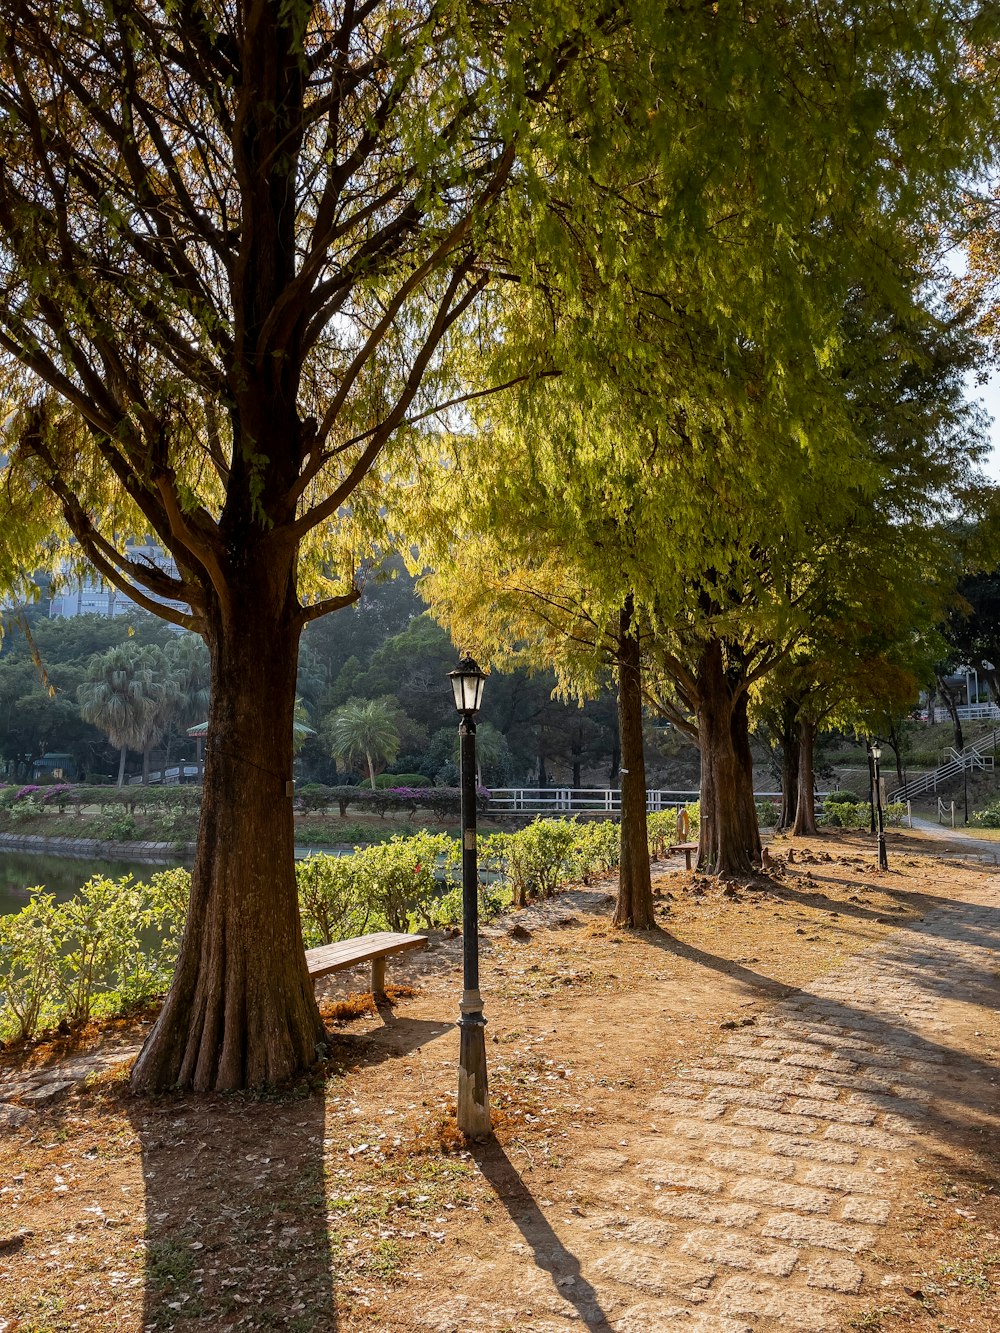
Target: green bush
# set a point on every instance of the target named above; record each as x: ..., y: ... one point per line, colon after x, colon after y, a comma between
x: 111, y: 946
x: 844, y: 797
x: 402, y: 780
x: 535, y: 860
x: 27, y: 966
x: 398, y: 878
x: 768, y: 813
x: 988, y: 817
x: 331, y: 899
x: 20, y: 812
x: 597, y: 848
x: 114, y: 826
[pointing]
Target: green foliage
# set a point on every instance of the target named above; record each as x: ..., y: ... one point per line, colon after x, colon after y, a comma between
x: 27, y: 965
x: 332, y: 899
x: 844, y: 797
x: 536, y: 859
x: 385, y: 780
x: 115, y: 826
x: 398, y: 878
x: 661, y: 831
x: 988, y: 817
x: 112, y: 946
x: 596, y: 849
x: 768, y: 813
x: 363, y: 729
x: 847, y: 815
x: 844, y: 814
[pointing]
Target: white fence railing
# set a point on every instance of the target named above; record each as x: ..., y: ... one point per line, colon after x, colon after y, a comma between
x: 169, y: 777
x: 967, y: 759
x: 970, y: 713
x: 587, y: 800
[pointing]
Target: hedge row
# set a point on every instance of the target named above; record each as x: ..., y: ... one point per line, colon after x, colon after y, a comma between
x: 113, y: 946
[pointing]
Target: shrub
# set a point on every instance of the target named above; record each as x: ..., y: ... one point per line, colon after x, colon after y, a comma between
x: 394, y: 781
x: 115, y: 826
x: 661, y: 831
x: 112, y: 945
x: 597, y: 848
x: 988, y: 817
x: 23, y: 810
x: 96, y: 935
x: 27, y: 965
x: 60, y: 796
x: 313, y: 797
x: 536, y: 859
x: 768, y: 813
x: 398, y: 878
x: 844, y: 797
x: 330, y: 898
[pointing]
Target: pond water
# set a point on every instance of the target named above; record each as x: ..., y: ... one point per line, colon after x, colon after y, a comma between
x: 61, y: 875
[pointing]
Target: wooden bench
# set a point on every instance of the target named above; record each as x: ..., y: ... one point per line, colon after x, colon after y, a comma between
x: 364, y: 949
x: 688, y: 848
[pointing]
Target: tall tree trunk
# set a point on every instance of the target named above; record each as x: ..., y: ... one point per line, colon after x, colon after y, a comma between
x: 739, y: 726
x: 729, y: 839
x: 789, y: 762
x: 635, y: 889
x: 241, y: 1011
x: 951, y: 705
x: 805, y: 813
x: 121, y: 768
x: 371, y: 770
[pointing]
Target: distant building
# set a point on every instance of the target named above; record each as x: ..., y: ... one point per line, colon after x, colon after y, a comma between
x: 61, y: 767
x: 93, y: 596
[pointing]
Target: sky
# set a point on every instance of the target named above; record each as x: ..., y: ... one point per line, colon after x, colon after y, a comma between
x: 989, y: 396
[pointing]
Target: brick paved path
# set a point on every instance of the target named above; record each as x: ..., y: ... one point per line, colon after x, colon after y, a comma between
x: 769, y: 1177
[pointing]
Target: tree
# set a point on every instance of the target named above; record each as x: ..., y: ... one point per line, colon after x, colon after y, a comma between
x: 237, y: 247
x: 128, y: 694
x: 364, y: 729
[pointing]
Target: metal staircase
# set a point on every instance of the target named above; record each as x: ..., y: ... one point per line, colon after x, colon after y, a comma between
x: 958, y: 761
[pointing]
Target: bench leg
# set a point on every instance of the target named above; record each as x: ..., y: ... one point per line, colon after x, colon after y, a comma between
x: 378, y: 978
x: 687, y: 860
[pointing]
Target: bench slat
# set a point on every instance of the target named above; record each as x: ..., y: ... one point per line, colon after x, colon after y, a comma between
x: 346, y: 953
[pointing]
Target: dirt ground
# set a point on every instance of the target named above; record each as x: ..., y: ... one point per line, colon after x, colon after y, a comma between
x: 349, y: 1202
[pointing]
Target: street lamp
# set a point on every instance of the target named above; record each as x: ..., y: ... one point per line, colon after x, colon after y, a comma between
x: 876, y: 753
x: 473, y: 1095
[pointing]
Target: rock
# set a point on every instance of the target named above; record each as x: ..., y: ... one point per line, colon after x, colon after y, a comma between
x: 11, y: 1244
x: 13, y: 1117
x: 519, y: 932
x: 47, y: 1092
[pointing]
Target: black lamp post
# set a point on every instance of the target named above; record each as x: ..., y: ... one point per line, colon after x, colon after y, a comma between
x: 876, y: 753
x: 473, y: 1095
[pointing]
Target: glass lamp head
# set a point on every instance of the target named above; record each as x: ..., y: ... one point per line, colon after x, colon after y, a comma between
x: 467, y: 681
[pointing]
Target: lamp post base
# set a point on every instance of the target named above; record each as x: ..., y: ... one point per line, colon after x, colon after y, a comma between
x: 473, y: 1093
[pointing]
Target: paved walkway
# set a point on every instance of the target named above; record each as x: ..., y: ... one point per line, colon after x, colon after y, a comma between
x: 767, y: 1172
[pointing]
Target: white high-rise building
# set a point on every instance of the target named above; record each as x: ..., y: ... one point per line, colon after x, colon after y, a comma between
x: 92, y: 595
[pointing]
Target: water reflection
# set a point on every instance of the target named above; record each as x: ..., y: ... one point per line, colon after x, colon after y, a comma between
x: 61, y: 875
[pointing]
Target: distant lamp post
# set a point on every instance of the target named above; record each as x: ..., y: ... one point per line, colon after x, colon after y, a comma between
x: 467, y: 681
x: 876, y: 754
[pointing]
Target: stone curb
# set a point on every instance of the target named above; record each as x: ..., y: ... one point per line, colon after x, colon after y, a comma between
x: 106, y: 848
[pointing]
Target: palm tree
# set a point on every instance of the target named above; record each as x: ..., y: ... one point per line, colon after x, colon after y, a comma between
x: 129, y: 695
x: 189, y: 664
x: 363, y: 728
